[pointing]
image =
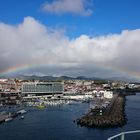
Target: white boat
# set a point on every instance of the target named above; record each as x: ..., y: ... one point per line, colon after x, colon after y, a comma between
x: 8, y: 119
x: 21, y: 111
x: 22, y: 117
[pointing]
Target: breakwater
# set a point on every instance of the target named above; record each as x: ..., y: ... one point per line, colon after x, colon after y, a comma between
x: 111, y: 116
x: 4, y: 116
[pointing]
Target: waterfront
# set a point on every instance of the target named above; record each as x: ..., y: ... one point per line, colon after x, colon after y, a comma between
x: 56, y: 122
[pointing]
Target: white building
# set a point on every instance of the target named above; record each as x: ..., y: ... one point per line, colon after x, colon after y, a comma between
x: 103, y: 93
x: 108, y: 94
x: 3, y: 80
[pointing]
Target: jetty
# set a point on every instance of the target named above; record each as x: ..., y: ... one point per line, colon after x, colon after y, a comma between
x: 5, y: 116
x: 111, y: 116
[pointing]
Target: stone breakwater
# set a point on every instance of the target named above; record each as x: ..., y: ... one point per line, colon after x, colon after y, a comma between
x: 112, y: 116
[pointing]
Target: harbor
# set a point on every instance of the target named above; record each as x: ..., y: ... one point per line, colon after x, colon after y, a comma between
x: 102, y: 112
x: 106, y: 104
x: 106, y: 101
x: 55, y: 122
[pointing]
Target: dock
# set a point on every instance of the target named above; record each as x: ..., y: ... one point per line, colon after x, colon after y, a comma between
x: 5, y: 115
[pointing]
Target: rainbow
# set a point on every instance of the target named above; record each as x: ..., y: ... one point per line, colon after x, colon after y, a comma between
x: 15, y: 69
x: 22, y: 67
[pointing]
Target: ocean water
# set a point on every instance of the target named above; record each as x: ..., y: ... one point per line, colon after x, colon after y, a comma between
x: 56, y: 123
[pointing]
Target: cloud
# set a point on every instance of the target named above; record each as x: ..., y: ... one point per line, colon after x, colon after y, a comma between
x: 59, y: 7
x: 33, y: 43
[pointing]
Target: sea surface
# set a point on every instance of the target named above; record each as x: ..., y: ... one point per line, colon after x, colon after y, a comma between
x: 56, y: 123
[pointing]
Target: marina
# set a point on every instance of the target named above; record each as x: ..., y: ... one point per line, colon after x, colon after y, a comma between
x: 55, y: 122
x: 102, y: 113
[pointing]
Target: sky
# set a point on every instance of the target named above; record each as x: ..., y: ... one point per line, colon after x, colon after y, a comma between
x: 94, y: 38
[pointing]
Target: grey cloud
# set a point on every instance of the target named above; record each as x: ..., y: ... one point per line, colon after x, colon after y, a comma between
x: 51, y: 52
x: 59, y: 7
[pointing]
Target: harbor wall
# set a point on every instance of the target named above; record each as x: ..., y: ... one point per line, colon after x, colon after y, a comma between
x: 112, y: 116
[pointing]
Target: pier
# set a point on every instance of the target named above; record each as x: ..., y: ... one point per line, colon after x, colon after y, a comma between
x: 111, y: 116
x: 7, y: 116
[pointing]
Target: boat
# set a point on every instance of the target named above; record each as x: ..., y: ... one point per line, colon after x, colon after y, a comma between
x: 40, y: 106
x: 21, y: 111
x: 22, y: 117
x: 8, y: 119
